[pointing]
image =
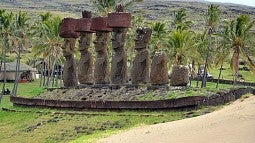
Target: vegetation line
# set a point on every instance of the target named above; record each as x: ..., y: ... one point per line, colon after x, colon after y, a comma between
x: 87, y: 114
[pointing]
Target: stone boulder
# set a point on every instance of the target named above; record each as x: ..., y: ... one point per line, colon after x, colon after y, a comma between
x: 179, y: 76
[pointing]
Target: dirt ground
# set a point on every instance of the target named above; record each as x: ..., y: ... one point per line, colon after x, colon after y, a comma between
x: 235, y: 123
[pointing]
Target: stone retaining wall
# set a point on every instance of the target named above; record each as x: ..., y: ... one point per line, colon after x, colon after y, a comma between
x: 180, y: 103
x: 223, y: 81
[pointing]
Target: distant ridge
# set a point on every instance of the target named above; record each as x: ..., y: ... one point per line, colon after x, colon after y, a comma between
x: 152, y: 10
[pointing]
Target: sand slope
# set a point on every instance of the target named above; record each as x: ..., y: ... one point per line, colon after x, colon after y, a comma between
x: 234, y: 123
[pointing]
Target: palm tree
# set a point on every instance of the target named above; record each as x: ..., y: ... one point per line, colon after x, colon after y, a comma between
x: 182, y: 48
x: 48, y: 44
x: 158, y: 37
x: 181, y: 44
x: 20, y: 32
x: 5, y: 25
x: 223, y: 50
x: 180, y: 21
x: 212, y: 23
x: 239, y: 39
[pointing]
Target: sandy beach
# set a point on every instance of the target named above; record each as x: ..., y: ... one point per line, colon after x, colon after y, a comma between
x: 234, y: 123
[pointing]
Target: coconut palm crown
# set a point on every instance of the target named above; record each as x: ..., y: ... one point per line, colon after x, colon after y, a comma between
x: 239, y: 38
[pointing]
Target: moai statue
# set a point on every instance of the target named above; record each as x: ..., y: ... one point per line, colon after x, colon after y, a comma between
x: 159, y: 69
x: 140, y: 70
x: 85, y: 72
x: 67, y: 31
x: 119, y: 21
x: 101, y: 71
x: 179, y: 75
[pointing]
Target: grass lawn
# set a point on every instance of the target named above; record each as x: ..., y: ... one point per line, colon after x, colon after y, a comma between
x: 22, y: 124
x: 227, y: 73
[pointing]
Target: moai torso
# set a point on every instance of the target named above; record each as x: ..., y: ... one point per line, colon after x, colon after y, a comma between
x: 101, y: 72
x: 159, y: 70
x: 119, y: 59
x: 141, y: 64
x: 69, y: 71
x: 85, y: 72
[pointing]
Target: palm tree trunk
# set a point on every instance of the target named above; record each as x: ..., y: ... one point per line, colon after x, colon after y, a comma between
x: 4, y: 60
x: 219, y: 75
x: 41, y: 78
x: 61, y: 77
x: 44, y: 73
x: 235, y: 64
x: 198, y: 72
x: 15, y: 87
x: 57, y: 76
x: 52, y: 71
x: 48, y: 76
x: 1, y: 64
x: 206, y: 63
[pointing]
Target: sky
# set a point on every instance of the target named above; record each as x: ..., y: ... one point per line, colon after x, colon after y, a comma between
x: 243, y: 2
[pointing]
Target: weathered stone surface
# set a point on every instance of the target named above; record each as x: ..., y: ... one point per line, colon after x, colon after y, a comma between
x: 141, y: 68
x: 67, y: 28
x: 179, y: 76
x: 119, y: 59
x: 85, y: 72
x: 141, y: 64
x: 100, y: 24
x: 86, y: 14
x: 101, y: 72
x: 83, y: 25
x: 119, y: 19
x: 69, y: 71
x: 159, y: 69
x: 142, y: 38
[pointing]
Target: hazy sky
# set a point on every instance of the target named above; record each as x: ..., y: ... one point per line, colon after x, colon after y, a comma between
x: 244, y: 2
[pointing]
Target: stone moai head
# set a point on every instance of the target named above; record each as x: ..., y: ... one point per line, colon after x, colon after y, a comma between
x: 118, y: 37
x: 120, y: 8
x: 68, y: 46
x: 83, y: 27
x: 86, y: 14
x: 142, y: 38
x: 101, y: 41
x: 85, y: 41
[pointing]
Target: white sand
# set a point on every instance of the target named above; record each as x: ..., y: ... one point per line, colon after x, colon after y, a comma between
x: 234, y: 123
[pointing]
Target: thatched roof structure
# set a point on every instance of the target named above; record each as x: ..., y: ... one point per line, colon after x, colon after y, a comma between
x: 11, y: 67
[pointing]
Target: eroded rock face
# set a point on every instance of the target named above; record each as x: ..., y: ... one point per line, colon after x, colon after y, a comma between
x: 159, y: 69
x: 101, y: 72
x: 119, y: 59
x: 141, y: 64
x: 179, y: 76
x: 85, y: 72
x: 69, y: 71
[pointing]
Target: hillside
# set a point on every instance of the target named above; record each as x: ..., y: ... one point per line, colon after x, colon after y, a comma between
x: 150, y: 9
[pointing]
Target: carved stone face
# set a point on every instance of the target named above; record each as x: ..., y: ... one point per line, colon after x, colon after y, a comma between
x: 118, y: 38
x: 68, y: 47
x: 142, y: 38
x: 85, y: 41
x: 101, y: 41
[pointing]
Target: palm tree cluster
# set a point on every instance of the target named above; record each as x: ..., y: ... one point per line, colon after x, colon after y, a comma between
x: 14, y: 32
x: 22, y: 35
x: 211, y: 47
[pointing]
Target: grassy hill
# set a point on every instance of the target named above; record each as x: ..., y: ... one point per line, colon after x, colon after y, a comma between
x: 151, y: 9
